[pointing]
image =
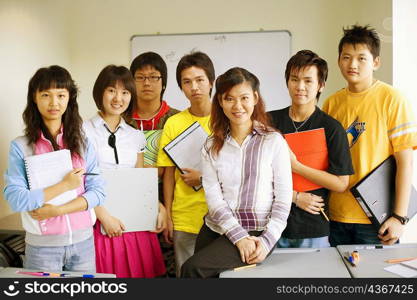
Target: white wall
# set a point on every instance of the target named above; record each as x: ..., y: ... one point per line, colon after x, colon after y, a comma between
x: 101, y: 30
x: 33, y: 34
x: 404, y: 68
x: 86, y: 35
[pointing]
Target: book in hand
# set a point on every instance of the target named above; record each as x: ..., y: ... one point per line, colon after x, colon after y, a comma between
x: 310, y: 148
x: 185, y: 149
x: 376, y: 193
x: 45, y: 170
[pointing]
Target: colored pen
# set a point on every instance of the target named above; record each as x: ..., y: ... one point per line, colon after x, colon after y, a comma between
x: 348, y: 260
x: 398, y: 260
x: 40, y: 274
x: 91, y: 174
x: 77, y: 276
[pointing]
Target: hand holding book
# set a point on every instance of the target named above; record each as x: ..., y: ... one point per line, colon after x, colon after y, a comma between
x: 191, y: 177
x: 71, y: 181
x: 74, y: 179
x: 47, y: 211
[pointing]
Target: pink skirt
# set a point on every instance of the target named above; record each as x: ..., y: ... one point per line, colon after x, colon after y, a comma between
x: 133, y: 254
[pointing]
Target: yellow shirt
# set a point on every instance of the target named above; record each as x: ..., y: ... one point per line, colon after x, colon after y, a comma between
x: 188, y: 207
x: 378, y: 122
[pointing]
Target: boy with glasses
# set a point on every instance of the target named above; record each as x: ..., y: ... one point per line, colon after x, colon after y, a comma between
x: 149, y: 114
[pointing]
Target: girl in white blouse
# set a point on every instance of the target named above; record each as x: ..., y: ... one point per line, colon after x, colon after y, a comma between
x: 246, y: 178
x: 119, y: 145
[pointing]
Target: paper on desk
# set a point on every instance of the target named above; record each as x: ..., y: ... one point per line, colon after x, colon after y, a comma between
x: 410, y: 264
x: 401, y: 270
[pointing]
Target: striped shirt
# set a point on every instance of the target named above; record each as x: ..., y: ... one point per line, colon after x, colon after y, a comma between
x: 248, y: 187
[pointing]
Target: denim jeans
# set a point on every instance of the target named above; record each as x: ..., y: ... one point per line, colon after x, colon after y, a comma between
x: 352, y: 234
x: 76, y: 257
x: 320, y: 242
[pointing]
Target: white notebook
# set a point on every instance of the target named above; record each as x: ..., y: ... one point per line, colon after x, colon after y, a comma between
x: 132, y: 197
x: 184, y: 150
x: 47, y: 169
x: 411, y: 264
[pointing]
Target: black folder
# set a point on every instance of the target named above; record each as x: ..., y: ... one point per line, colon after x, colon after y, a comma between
x: 376, y: 193
x: 185, y: 149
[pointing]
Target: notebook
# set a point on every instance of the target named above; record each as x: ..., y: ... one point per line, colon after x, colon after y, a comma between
x: 47, y: 169
x: 310, y: 148
x: 411, y: 264
x: 184, y: 150
x: 376, y: 193
x: 132, y: 197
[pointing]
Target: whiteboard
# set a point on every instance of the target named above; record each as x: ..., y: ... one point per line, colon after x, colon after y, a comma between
x: 264, y: 53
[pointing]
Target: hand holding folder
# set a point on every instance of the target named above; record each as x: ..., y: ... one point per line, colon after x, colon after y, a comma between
x: 310, y: 148
x: 375, y: 193
x: 184, y: 150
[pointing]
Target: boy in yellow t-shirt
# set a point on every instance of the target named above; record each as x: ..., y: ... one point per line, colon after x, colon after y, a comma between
x: 186, y: 207
x: 379, y: 123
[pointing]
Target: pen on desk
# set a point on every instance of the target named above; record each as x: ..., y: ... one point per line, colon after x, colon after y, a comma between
x: 351, y: 263
x: 244, y: 267
x: 91, y: 174
x: 398, y: 260
x: 76, y: 276
x: 40, y: 274
x: 324, y: 214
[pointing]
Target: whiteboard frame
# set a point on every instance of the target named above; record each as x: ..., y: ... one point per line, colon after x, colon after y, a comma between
x: 177, y: 99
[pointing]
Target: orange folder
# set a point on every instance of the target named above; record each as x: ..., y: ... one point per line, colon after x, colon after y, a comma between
x: 310, y: 148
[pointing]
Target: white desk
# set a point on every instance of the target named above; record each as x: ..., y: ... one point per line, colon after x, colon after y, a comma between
x: 296, y: 263
x: 372, y: 260
x: 11, y: 273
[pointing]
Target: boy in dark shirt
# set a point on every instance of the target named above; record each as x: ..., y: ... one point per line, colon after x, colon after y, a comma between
x: 307, y: 224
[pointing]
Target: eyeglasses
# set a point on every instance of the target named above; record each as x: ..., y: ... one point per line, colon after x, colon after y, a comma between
x: 112, y: 143
x: 152, y: 78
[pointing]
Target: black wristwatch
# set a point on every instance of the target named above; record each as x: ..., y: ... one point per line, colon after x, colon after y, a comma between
x: 403, y: 220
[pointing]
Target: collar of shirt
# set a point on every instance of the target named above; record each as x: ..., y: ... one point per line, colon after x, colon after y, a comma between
x: 151, y: 123
x: 59, y: 138
x: 258, y: 129
x: 98, y: 122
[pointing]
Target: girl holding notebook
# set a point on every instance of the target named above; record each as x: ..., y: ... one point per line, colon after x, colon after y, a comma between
x: 119, y: 145
x: 58, y: 237
x: 246, y: 179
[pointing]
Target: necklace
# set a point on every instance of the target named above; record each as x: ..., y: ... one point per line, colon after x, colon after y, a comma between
x: 302, y: 124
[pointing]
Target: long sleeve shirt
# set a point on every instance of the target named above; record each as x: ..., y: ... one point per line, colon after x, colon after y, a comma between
x: 21, y: 198
x: 248, y: 187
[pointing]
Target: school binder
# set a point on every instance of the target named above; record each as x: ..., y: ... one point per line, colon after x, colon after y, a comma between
x: 310, y: 148
x: 376, y: 193
x: 185, y: 149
